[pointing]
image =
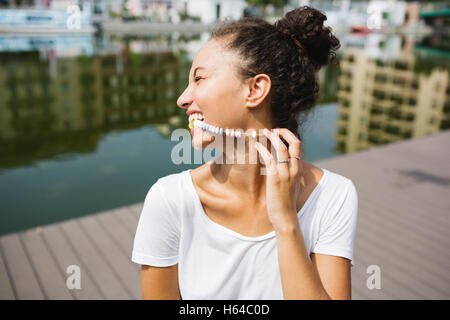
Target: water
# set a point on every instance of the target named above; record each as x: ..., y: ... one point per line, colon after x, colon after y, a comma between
x: 85, y: 122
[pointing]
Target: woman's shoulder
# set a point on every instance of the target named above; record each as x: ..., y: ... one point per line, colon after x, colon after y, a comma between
x: 336, y: 187
x: 173, y: 186
x: 330, y: 179
x: 339, y: 193
x: 168, y: 197
x: 337, y: 179
x: 172, y: 180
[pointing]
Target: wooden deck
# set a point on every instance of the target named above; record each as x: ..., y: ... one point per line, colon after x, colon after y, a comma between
x: 403, y: 227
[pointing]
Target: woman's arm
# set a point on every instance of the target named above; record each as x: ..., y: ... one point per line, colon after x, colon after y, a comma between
x: 322, y: 277
x: 335, y: 275
x: 160, y: 283
x: 302, y: 278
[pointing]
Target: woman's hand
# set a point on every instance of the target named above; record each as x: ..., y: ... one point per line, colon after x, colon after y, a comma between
x: 283, y: 179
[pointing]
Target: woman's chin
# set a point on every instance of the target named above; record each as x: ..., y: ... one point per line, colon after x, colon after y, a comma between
x: 201, y: 138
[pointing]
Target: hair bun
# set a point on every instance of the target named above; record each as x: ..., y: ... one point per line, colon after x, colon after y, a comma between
x: 305, y: 24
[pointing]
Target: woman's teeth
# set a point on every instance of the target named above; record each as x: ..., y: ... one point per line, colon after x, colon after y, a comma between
x: 217, y: 130
x: 193, y: 117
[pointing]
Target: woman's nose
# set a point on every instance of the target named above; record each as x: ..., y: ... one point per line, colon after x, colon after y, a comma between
x: 185, y: 100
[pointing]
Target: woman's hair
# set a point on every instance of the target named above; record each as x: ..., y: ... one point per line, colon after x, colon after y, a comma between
x: 271, y: 49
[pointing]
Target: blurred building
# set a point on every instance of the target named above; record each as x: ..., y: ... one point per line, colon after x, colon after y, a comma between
x: 50, y: 17
x: 74, y: 94
x: 385, y: 13
x: 386, y: 100
x: 42, y: 4
x: 210, y: 11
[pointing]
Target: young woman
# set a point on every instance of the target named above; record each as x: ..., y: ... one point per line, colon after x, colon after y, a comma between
x: 225, y: 230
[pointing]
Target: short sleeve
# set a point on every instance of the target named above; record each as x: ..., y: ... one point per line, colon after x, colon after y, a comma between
x: 338, y: 235
x: 157, y: 235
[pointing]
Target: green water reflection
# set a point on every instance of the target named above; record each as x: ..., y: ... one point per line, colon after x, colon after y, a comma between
x: 85, y: 123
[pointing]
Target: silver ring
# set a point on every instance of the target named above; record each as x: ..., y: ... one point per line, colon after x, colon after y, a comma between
x: 282, y: 161
x: 297, y: 157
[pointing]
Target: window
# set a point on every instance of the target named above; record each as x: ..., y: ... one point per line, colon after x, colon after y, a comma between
x: 401, y: 65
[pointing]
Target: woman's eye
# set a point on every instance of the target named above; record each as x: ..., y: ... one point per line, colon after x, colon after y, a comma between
x: 197, y: 78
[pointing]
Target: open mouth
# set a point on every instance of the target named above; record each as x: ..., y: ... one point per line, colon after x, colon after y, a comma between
x: 193, y: 117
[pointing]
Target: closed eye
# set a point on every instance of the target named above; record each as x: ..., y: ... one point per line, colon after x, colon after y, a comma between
x: 197, y: 79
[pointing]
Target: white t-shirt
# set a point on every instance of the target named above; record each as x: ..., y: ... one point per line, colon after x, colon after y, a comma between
x: 215, y: 262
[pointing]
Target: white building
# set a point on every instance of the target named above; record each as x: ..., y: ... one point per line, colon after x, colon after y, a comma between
x: 385, y: 13
x: 211, y: 11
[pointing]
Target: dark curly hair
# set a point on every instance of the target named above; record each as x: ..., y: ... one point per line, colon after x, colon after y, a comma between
x: 271, y: 49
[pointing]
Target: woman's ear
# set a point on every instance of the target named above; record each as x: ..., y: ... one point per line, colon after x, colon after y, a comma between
x: 258, y: 89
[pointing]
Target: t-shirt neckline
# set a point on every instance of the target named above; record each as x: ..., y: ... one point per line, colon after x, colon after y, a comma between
x: 271, y: 234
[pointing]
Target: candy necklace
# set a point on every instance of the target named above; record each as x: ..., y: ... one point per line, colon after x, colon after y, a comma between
x: 237, y: 133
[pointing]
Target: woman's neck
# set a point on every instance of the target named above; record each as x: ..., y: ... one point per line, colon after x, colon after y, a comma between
x: 242, y: 170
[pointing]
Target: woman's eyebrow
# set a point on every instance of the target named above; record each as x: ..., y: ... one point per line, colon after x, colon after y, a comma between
x: 197, y: 69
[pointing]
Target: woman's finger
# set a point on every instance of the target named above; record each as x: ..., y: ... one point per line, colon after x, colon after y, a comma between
x: 292, y: 140
x: 269, y: 161
x: 295, y: 149
x: 281, y: 152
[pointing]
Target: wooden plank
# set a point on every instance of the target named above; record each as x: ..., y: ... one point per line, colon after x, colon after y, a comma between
x: 414, y: 213
x: 367, y: 186
x: 414, y: 263
x: 6, y: 286
x: 117, y: 231
x: 410, y: 234
x: 407, y: 158
x: 424, y: 194
x: 396, y: 265
x: 415, y: 243
x: 366, y: 255
x: 128, y: 219
x: 23, y: 275
x: 66, y: 256
x: 136, y: 209
x: 391, y: 286
x: 362, y: 261
x: 133, y: 214
x: 417, y: 151
x: 50, y: 274
x: 124, y: 269
x: 402, y: 157
x: 359, y: 285
x: 356, y: 293
x: 412, y: 172
x: 425, y: 148
x: 93, y: 259
x: 381, y: 215
x: 433, y: 197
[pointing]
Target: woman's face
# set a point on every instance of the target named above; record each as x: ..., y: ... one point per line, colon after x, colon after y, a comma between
x: 215, y: 91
